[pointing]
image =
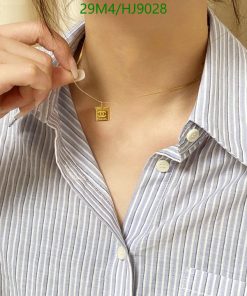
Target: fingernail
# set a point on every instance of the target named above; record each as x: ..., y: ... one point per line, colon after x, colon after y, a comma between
x: 73, y: 68
x: 81, y: 75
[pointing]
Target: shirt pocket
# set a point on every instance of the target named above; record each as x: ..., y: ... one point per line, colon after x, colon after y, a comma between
x: 196, y: 282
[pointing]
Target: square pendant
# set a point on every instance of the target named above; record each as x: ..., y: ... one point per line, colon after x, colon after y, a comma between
x: 102, y: 113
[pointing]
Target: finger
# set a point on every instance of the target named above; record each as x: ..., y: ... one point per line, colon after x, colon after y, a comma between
x: 21, y: 96
x: 13, y: 99
x: 16, y: 48
x: 24, y: 75
x: 33, y: 95
x: 27, y: 108
x: 9, y: 58
x: 33, y: 32
x: 60, y: 77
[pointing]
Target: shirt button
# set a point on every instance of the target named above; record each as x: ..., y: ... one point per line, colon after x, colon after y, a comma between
x: 162, y: 165
x: 121, y: 253
x: 192, y: 135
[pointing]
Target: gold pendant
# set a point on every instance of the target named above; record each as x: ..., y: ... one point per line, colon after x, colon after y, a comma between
x: 102, y: 113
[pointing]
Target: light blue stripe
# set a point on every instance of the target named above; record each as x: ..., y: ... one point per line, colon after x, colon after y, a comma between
x: 185, y: 229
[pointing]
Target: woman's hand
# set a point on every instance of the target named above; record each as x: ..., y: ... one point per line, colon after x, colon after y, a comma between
x: 26, y: 73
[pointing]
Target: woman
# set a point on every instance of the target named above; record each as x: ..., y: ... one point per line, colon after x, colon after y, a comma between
x: 151, y: 201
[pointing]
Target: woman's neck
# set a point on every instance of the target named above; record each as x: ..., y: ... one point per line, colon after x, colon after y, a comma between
x: 133, y: 54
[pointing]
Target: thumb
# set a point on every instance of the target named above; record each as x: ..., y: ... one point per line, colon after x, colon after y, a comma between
x: 61, y: 76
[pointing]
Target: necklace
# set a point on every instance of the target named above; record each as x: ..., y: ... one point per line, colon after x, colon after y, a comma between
x: 102, y: 113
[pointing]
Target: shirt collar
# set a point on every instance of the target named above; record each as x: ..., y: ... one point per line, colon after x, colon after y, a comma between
x: 221, y: 104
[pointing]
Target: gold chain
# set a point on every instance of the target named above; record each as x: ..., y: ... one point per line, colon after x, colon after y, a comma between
x: 103, y: 113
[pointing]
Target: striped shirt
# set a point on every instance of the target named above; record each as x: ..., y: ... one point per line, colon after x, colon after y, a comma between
x: 185, y: 229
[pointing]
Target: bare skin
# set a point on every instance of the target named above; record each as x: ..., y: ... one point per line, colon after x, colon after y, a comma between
x: 121, y: 151
x: 158, y: 53
x: 26, y: 73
